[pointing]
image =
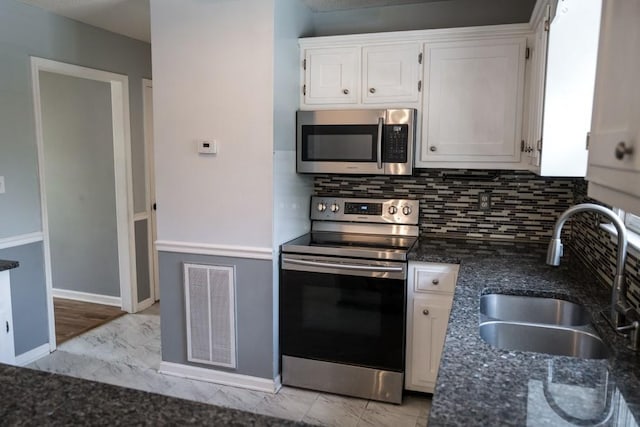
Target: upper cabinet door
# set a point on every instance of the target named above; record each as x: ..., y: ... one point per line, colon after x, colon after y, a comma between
x: 614, y: 158
x: 391, y: 73
x: 473, y: 101
x: 332, y: 75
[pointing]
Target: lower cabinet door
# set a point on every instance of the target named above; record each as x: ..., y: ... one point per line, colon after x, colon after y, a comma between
x: 426, y: 329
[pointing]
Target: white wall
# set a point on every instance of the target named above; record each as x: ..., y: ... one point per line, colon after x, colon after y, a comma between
x: 291, y: 192
x: 213, y: 79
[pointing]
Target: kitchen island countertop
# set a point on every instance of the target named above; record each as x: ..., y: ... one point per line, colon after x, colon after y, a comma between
x: 30, y: 397
x: 482, y: 385
x: 8, y: 265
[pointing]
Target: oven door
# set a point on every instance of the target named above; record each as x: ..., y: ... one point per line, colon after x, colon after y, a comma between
x: 341, y: 310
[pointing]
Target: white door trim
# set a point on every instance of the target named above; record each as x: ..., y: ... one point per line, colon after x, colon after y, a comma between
x: 150, y: 188
x: 122, y: 170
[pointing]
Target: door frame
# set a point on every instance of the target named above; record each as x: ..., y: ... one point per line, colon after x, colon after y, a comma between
x: 150, y: 187
x: 122, y: 171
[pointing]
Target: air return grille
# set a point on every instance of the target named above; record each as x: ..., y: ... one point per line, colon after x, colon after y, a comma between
x: 210, y: 301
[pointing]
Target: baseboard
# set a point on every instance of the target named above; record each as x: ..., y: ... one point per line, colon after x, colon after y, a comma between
x: 31, y: 356
x: 219, y: 377
x: 143, y: 305
x: 86, y: 297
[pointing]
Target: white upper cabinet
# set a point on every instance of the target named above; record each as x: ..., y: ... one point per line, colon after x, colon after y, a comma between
x: 390, y: 73
x: 350, y: 76
x: 332, y: 76
x: 561, y: 88
x: 614, y: 160
x: 473, y: 100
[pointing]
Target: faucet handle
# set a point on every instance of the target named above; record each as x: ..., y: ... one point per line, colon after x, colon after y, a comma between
x: 554, y: 252
x: 634, y: 334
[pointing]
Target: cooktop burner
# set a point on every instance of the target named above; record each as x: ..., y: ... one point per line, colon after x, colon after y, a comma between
x: 359, y: 228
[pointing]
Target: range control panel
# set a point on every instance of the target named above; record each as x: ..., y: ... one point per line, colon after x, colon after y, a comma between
x: 387, y: 211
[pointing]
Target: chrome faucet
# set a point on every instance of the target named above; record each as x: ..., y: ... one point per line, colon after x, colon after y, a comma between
x: 620, y: 307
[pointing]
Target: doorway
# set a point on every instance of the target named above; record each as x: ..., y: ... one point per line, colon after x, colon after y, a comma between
x: 84, y: 162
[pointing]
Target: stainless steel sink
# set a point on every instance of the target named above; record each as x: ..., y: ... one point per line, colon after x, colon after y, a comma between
x: 529, y: 309
x: 558, y: 340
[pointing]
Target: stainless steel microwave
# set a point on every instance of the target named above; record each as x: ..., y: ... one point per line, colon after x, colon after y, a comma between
x: 365, y: 142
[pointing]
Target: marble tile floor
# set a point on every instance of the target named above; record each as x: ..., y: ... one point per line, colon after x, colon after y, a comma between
x: 126, y: 352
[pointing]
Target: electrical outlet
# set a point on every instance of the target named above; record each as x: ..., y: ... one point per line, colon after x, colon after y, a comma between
x: 484, y: 201
x: 2, y: 190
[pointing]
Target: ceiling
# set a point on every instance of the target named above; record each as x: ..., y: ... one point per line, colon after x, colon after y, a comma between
x: 131, y: 17
x: 127, y: 17
x: 333, y: 5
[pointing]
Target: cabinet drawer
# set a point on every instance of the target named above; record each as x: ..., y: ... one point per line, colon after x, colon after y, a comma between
x: 436, y: 278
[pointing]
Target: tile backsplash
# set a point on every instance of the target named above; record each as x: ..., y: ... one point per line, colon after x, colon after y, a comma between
x: 523, y: 207
x: 598, y: 250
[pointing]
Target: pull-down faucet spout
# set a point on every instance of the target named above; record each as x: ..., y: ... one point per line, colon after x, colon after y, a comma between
x: 619, y: 305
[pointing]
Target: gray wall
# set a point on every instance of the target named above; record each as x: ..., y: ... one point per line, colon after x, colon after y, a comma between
x: 438, y: 14
x: 24, y: 31
x: 254, y: 317
x: 80, y: 183
x: 28, y: 296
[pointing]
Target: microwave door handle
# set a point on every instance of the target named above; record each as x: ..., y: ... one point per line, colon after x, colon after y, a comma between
x: 380, y: 126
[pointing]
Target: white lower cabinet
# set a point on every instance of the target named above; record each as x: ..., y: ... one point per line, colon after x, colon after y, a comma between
x: 429, y: 300
x: 7, y: 350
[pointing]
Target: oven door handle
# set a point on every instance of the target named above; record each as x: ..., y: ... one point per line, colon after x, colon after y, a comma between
x: 380, y: 128
x: 344, y: 266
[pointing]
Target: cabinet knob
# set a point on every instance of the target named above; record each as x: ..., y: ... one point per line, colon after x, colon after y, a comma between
x: 345, y: 91
x: 432, y: 148
x: 372, y: 90
x: 622, y: 150
x: 435, y: 281
x: 425, y: 312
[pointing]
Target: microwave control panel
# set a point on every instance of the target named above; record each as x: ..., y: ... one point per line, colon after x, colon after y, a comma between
x: 396, y: 141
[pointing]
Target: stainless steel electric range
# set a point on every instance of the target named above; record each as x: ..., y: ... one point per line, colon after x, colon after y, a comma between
x: 343, y: 298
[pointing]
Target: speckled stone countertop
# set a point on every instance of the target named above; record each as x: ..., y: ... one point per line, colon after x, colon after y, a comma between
x: 35, y: 398
x: 480, y: 385
x: 8, y: 265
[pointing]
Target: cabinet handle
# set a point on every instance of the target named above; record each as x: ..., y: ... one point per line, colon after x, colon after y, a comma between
x: 425, y: 312
x: 7, y: 322
x: 345, y: 91
x: 435, y: 281
x: 622, y: 150
x: 372, y: 90
x: 432, y: 148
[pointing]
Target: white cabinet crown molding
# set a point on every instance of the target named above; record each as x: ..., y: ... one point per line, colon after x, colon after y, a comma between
x: 461, y: 33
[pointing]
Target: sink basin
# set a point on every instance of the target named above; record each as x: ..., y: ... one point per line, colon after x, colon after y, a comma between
x: 529, y: 309
x: 558, y: 340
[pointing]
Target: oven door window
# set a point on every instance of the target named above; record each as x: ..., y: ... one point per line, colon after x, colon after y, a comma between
x: 339, y: 143
x: 343, y: 319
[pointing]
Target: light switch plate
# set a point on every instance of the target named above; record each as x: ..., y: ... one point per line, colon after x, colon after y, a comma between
x: 2, y: 190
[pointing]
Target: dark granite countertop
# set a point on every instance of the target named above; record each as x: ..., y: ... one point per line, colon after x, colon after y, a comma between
x: 35, y: 398
x: 8, y: 265
x: 480, y: 385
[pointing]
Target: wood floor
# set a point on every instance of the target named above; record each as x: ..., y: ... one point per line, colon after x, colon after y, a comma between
x: 75, y: 317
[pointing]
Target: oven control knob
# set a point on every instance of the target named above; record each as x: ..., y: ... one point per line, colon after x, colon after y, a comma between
x: 406, y: 210
x: 393, y: 210
x: 335, y: 208
x: 321, y: 207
